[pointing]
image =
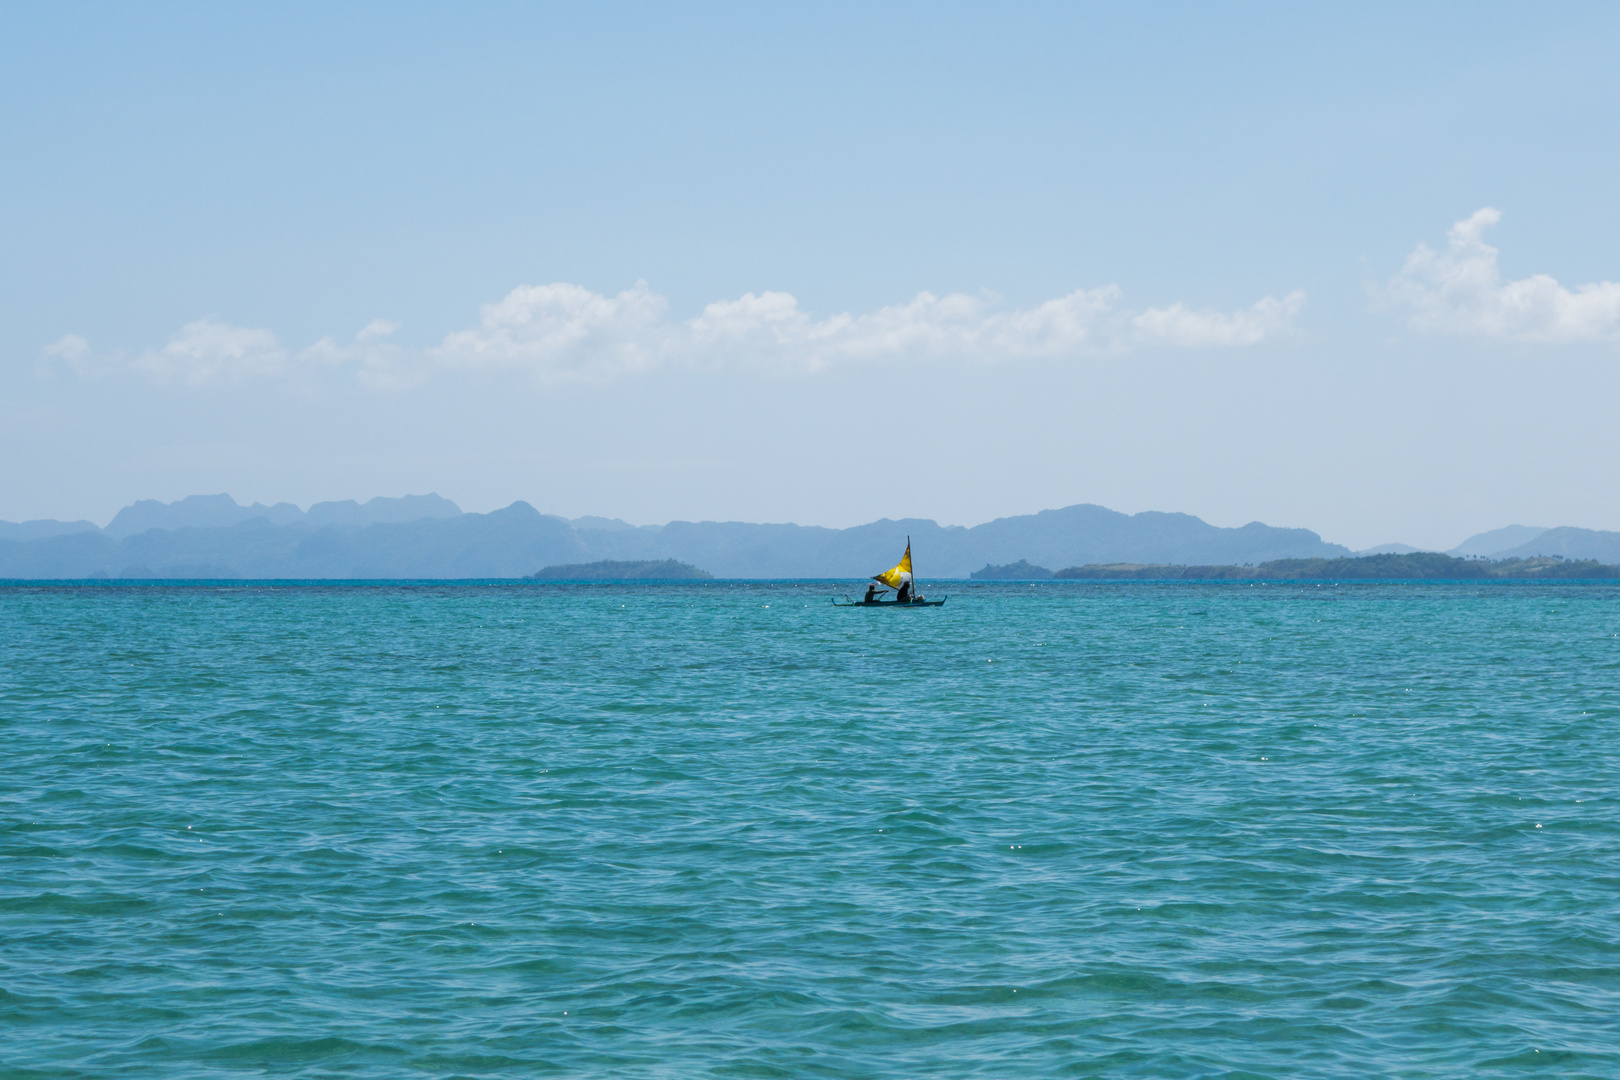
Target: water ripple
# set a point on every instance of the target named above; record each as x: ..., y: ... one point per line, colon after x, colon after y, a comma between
x: 1070, y: 830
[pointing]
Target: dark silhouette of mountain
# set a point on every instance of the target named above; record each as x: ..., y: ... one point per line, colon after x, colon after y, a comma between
x: 428, y: 537
x: 609, y: 570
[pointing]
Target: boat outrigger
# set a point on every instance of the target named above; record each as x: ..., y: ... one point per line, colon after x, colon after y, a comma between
x: 898, y: 579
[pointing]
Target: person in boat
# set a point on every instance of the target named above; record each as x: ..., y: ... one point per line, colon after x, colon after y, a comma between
x: 871, y: 595
x: 904, y: 595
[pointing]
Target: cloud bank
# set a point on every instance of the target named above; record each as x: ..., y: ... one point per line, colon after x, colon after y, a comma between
x: 564, y: 333
x: 208, y: 351
x: 1460, y: 291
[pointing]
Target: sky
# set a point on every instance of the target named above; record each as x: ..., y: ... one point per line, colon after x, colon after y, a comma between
x: 1345, y: 267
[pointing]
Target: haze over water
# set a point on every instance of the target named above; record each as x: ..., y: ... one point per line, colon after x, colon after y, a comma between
x: 724, y: 829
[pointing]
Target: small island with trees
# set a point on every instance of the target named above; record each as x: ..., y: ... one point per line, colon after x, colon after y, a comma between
x: 1416, y: 566
x: 608, y: 570
x: 1018, y: 571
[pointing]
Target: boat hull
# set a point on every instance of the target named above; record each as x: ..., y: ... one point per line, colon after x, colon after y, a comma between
x: 889, y: 603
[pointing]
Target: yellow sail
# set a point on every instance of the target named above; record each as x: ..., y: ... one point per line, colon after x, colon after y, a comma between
x: 900, y: 574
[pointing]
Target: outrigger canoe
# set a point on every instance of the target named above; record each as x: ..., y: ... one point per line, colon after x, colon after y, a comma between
x: 899, y: 579
x: 847, y: 602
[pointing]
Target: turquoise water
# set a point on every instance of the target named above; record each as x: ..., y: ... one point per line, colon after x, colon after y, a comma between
x: 1125, y: 830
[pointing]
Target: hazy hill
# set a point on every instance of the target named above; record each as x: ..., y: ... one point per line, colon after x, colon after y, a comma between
x: 1529, y: 542
x: 1569, y: 543
x: 35, y: 530
x: 1487, y: 545
x: 1064, y: 537
x: 222, y: 511
x: 1418, y: 566
x: 429, y: 537
x: 196, y: 511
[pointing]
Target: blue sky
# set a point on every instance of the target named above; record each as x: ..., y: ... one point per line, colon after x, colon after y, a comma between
x: 817, y: 264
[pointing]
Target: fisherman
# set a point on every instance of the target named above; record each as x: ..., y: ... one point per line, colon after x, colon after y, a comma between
x: 904, y: 595
x: 871, y: 595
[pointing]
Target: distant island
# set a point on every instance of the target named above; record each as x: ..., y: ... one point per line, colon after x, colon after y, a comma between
x: 1018, y: 571
x: 1418, y: 566
x: 609, y: 570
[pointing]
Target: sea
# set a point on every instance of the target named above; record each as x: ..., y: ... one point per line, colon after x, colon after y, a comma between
x: 726, y: 829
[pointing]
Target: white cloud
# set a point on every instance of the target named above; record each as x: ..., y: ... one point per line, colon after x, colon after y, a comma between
x: 1460, y: 291
x: 68, y: 347
x: 207, y: 351
x: 72, y: 353
x: 771, y: 328
x: 564, y: 333
x: 378, y: 362
x: 1079, y: 322
x: 1177, y: 325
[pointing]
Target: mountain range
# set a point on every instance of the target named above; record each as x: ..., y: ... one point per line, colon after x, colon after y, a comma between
x: 1525, y: 542
x: 426, y: 536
